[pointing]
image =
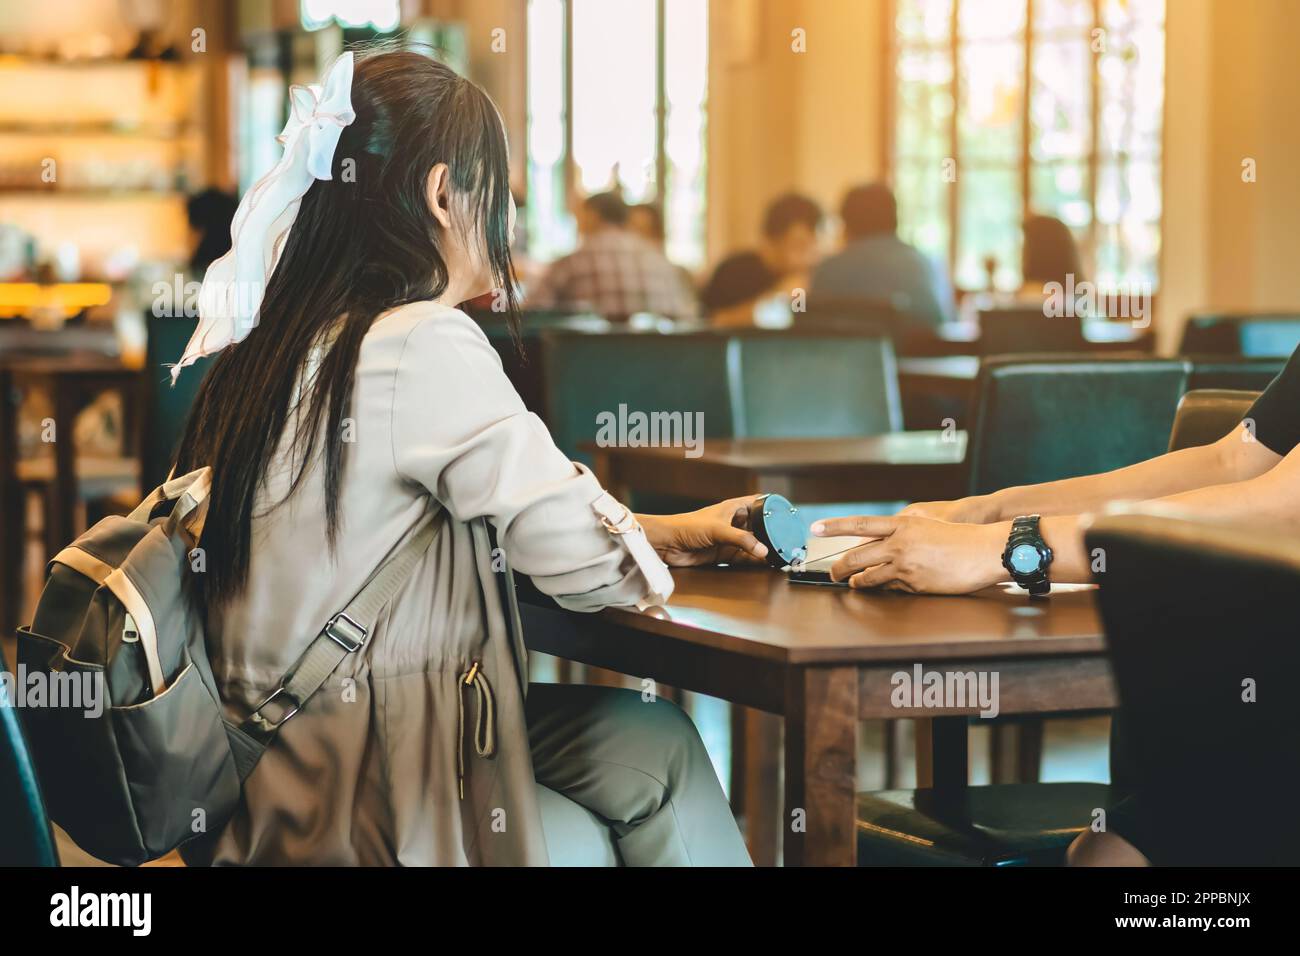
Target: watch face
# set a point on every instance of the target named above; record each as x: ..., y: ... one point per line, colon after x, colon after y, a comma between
x: 1025, y: 559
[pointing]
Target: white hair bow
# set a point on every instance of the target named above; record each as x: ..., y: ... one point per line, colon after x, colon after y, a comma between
x: 230, y: 299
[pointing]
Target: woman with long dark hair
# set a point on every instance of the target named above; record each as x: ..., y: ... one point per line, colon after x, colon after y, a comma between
x: 359, y: 408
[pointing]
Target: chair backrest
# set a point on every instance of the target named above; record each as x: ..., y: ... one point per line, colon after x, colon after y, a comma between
x: 522, y: 360
x: 586, y: 376
x: 815, y: 385
x: 1276, y: 337
x: 1206, y: 415
x: 836, y: 313
x: 1200, y: 623
x: 1042, y: 418
x: 1256, y: 335
x: 1233, y: 372
x: 27, y: 839
x: 1016, y: 330
x: 166, y: 406
x: 870, y: 317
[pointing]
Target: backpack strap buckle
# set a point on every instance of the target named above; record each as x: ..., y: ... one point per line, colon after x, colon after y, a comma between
x: 345, y: 632
x: 261, y: 725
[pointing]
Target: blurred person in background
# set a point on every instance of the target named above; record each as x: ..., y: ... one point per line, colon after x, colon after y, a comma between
x: 614, y: 272
x: 210, y: 214
x: 877, y: 266
x: 781, y: 262
x: 1048, y: 254
x: 647, y: 221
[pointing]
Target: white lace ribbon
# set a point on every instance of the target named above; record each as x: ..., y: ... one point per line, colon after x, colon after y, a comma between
x: 230, y: 299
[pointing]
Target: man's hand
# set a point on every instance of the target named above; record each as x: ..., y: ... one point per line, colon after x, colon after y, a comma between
x: 713, y: 535
x: 976, y: 509
x: 918, y: 554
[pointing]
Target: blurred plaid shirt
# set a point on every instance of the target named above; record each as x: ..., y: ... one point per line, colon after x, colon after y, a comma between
x: 615, y: 273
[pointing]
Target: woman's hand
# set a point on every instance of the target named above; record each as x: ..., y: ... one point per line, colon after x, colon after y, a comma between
x: 918, y: 554
x: 712, y: 535
x: 976, y: 509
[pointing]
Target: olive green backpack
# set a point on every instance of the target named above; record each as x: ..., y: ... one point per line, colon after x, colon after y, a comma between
x: 134, y: 750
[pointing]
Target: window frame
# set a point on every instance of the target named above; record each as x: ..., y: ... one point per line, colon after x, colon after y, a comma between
x: 662, y: 162
x: 1092, y: 161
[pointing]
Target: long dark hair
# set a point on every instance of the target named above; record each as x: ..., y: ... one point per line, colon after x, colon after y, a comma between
x: 362, y: 243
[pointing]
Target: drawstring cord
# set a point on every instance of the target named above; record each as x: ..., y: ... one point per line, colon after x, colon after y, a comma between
x: 485, y: 726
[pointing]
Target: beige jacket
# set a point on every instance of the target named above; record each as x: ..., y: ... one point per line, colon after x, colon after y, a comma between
x: 367, y: 772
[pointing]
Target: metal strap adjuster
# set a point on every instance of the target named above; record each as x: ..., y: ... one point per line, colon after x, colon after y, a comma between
x: 625, y: 524
x: 265, y: 726
x: 345, y: 632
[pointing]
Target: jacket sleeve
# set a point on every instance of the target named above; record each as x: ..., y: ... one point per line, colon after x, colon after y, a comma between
x: 460, y: 429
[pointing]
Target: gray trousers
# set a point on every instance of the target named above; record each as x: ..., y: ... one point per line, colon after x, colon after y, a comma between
x: 626, y: 781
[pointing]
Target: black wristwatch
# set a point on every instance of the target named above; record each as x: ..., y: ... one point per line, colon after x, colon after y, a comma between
x: 1027, y: 556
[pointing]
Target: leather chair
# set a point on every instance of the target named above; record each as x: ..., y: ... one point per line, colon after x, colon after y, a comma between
x: 1031, y: 412
x: 1200, y: 626
x: 1225, y: 371
x: 828, y: 385
x: 1253, y: 335
x: 585, y: 375
x: 166, y: 406
x: 1018, y: 330
x: 521, y: 358
x: 1028, y: 823
x: 1045, y: 417
x: 26, y: 838
x: 998, y: 825
x: 1206, y: 415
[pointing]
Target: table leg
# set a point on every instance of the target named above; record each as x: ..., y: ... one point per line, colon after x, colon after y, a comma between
x: 821, y: 753
x: 942, y: 752
x: 61, y: 513
x: 758, y: 746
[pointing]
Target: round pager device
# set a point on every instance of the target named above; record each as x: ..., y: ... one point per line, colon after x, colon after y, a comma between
x: 775, y: 522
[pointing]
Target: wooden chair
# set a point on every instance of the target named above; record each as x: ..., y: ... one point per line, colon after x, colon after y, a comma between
x: 63, y: 479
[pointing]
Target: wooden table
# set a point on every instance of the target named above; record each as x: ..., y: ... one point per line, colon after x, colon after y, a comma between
x: 823, y: 658
x: 914, y: 466
x: 1098, y: 336
x: 71, y: 381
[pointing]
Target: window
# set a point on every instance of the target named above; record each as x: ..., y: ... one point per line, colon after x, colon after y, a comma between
x: 1005, y: 108
x: 616, y: 99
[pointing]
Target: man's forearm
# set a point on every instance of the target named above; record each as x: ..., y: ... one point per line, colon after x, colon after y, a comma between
x: 1158, y: 477
x: 1268, y: 500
